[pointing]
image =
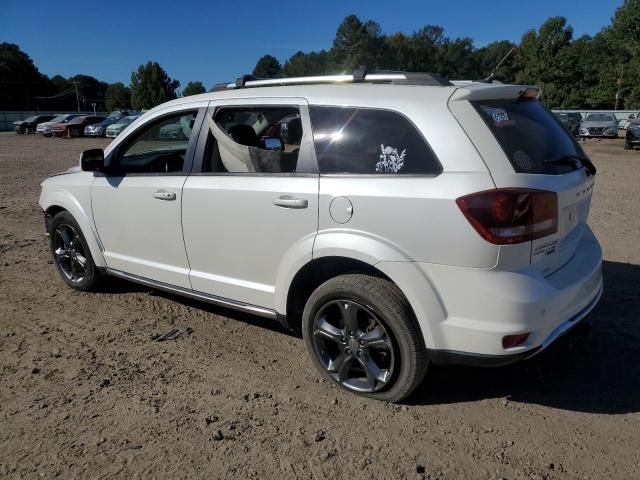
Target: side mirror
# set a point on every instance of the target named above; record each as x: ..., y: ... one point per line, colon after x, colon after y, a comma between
x: 274, y: 143
x: 92, y: 160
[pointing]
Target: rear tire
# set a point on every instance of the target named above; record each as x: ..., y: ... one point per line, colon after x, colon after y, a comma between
x: 361, y: 335
x: 71, y: 254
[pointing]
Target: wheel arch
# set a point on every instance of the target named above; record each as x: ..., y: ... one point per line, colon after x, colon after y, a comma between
x: 60, y: 200
x: 317, y: 271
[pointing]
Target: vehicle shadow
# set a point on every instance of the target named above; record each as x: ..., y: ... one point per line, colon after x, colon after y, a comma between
x: 268, y: 323
x: 594, y: 368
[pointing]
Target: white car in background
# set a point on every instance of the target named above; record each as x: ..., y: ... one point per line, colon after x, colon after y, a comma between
x: 624, y: 123
x: 399, y: 220
x: 115, y: 129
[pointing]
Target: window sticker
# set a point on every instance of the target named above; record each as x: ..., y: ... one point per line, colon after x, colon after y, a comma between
x: 390, y: 160
x: 499, y: 116
x: 522, y: 160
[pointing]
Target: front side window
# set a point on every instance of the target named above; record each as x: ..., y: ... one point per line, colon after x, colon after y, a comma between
x: 369, y: 141
x: 160, y: 147
x: 253, y: 139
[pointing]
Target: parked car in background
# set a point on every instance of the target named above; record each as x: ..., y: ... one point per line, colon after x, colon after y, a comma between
x: 624, y: 123
x: 571, y: 121
x: 45, y: 128
x: 100, y: 129
x: 115, y: 129
x: 28, y: 125
x: 180, y: 130
x: 75, y: 127
x: 599, y: 125
x: 632, y: 138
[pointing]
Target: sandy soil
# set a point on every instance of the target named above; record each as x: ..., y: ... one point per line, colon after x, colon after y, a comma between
x: 85, y: 393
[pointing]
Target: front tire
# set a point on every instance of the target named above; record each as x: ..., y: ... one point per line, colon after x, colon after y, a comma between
x: 627, y: 145
x: 71, y: 254
x: 361, y: 335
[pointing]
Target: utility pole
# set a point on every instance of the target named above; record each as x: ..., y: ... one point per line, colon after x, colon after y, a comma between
x: 619, y: 86
x: 75, y: 84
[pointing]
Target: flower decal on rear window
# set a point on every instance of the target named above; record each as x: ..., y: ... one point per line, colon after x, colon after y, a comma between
x: 390, y: 160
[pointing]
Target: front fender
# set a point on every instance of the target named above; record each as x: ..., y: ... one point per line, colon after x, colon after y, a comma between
x: 58, y: 197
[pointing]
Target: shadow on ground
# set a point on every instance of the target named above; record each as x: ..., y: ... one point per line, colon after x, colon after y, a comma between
x: 594, y: 369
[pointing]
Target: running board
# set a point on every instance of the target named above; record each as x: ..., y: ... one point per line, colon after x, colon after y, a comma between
x: 203, y: 297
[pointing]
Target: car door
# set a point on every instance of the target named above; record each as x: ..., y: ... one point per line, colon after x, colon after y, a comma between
x: 250, y: 207
x: 137, y: 203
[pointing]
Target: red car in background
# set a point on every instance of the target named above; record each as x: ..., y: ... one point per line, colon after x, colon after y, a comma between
x: 75, y: 126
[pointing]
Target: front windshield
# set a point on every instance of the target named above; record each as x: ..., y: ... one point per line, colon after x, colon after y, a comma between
x: 59, y: 118
x: 600, y: 117
x: 114, y: 115
x: 30, y: 119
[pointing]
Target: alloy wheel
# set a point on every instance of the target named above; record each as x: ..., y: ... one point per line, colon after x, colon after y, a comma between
x: 353, y: 346
x: 69, y: 253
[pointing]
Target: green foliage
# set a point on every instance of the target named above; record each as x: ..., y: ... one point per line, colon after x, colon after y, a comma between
x: 489, y: 56
x: 588, y: 72
x: 20, y: 80
x: 267, y: 66
x: 90, y: 90
x: 356, y: 44
x: 546, y: 60
x: 304, y: 64
x: 193, y: 88
x: 151, y: 86
x: 117, y: 97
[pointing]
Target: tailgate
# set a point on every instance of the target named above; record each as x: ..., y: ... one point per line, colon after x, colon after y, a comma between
x: 525, y: 146
x: 574, y: 192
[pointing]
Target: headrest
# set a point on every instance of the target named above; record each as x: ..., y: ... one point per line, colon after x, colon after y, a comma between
x: 244, y: 135
x: 291, y: 131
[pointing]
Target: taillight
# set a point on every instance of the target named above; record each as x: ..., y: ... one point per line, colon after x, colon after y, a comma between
x: 511, y: 215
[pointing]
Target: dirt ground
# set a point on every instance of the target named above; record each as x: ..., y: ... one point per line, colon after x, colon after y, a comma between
x: 85, y: 393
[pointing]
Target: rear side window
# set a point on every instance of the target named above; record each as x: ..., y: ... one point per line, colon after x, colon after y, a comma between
x: 369, y: 141
x: 253, y: 139
x: 529, y: 134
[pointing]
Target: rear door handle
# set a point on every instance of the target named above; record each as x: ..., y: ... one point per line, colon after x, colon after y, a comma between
x: 287, y: 201
x: 162, y: 195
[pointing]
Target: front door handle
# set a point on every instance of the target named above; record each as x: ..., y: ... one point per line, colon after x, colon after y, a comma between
x: 287, y: 201
x: 162, y: 195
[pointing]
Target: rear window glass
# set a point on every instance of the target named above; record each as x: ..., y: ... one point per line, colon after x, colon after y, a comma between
x: 369, y: 141
x: 529, y: 134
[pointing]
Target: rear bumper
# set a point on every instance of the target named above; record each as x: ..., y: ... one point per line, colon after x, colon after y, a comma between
x: 482, y: 306
x: 448, y: 357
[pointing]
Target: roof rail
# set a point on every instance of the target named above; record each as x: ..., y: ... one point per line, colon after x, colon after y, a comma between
x: 360, y: 75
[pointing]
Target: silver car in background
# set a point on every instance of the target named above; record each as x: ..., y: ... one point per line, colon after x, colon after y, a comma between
x: 599, y: 125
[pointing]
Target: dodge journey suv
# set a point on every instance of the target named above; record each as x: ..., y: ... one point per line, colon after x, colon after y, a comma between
x: 394, y: 220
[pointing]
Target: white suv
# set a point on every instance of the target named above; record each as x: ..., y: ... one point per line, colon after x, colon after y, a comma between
x: 394, y: 220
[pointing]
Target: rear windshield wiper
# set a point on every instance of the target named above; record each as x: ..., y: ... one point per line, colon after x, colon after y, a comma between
x: 571, y: 161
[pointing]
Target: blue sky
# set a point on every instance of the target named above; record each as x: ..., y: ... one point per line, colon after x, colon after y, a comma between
x: 215, y: 41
